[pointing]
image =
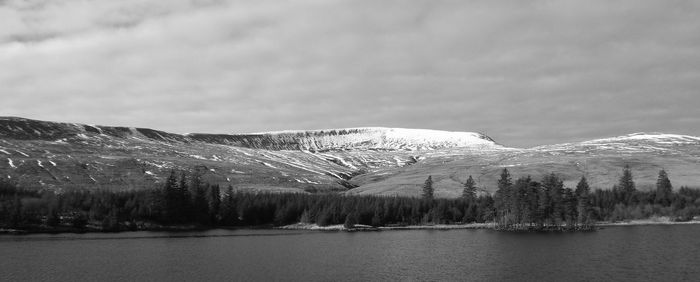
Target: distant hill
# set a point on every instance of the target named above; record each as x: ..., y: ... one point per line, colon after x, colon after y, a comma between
x: 384, y: 161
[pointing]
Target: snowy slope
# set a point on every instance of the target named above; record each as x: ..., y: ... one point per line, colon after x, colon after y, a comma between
x: 374, y: 160
x: 600, y: 160
x: 636, y: 142
x: 369, y: 138
x: 89, y: 156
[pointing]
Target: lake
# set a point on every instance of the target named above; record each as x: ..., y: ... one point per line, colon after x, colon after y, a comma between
x: 632, y: 253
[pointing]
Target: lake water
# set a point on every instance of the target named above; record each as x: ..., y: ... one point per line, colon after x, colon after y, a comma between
x: 632, y: 253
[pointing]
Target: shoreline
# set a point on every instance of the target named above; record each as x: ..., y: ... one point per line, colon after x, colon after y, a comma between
x: 640, y: 222
x: 489, y: 225
x: 360, y: 227
x: 340, y: 227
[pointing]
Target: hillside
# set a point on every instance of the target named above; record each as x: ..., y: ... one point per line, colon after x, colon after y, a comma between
x: 385, y: 161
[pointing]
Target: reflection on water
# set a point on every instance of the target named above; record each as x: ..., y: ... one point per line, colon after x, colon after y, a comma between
x: 666, y: 253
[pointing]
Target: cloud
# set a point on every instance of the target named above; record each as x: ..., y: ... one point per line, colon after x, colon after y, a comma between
x: 527, y: 73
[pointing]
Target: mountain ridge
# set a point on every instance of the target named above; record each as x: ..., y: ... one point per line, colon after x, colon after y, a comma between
x: 376, y: 138
x: 383, y: 161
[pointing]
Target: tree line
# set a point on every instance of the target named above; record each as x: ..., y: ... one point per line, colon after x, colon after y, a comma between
x: 527, y: 204
x: 185, y: 201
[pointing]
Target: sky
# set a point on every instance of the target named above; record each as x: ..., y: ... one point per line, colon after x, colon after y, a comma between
x: 525, y: 73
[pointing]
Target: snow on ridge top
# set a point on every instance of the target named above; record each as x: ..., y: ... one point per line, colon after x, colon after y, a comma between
x: 430, y: 136
x: 393, y: 131
x: 372, y: 138
x: 662, y: 138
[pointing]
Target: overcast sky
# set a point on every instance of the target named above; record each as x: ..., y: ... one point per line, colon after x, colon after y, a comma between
x: 524, y: 72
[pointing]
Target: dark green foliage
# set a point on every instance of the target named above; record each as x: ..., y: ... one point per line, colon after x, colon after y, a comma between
x: 350, y: 220
x: 537, y: 206
x: 17, y: 214
x: 583, y: 204
x: 582, y: 187
x: 79, y: 220
x: 52, y: 218
x: 200, y: 206
x: 503, y: 198
x: 664, y: 189
x: 553, y: 187
x: 525, y: 204
x: 469, y: 192
x: 428, y: 189
x: 214, y: 203
x: 376, y: 220
x: 626, y: 187
x: 228, y: 213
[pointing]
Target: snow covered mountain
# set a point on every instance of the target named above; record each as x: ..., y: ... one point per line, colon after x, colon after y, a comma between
x: 64, y: 155
x: 600, y: 160
x: 369, y: 138
x: 385, y: 161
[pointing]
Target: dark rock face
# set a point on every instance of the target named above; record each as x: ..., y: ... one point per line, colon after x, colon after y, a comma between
x: 25, y: 129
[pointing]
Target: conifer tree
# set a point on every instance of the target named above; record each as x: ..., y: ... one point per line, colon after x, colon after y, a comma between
x: 569, y: 206
x: 305, y: 217
x: 350, y: 220
x: 200, y: 206
x: 214, y: 200
x: 172, y: 198
x: 503, y: 196
x: 229, y: 214
x: 532, y: 199
x: 520, y: 207
x: 551, y: 199
x: 626, y: 185
x: 664, y: 189
x: 469, y: 192
x: 376, y: 219
x: 583, y: 206
x: 582, y: 187
x: 428, y: 188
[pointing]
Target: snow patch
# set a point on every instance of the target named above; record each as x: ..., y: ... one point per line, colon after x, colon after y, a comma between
x: 341, y: 161
x: 161, y: 166
x: 12, y: 164
x: 242, y: 152
x: 6, y: 152
x: 52, y: 163
x: 149, y: 173
x: 21, y: 153
x: 310, y: 182
x: 38, y: 162
x: 268, y: 165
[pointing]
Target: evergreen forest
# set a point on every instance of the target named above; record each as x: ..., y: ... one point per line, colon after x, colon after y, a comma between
x: 186, y: 202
